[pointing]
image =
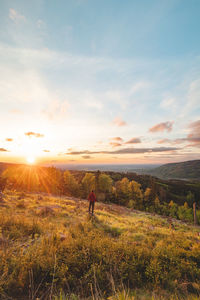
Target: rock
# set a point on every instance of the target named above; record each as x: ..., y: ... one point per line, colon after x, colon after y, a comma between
x: 46, y: 211
x: 151, y: 227
x: 62, y: 236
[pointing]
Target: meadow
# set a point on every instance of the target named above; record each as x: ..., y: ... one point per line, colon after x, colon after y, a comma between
x: 51, y: 248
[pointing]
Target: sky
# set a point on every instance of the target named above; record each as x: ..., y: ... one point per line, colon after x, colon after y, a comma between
x: 99, y: 81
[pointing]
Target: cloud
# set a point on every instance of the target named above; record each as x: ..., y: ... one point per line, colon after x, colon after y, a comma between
x: 193, y: 136
x: 3, y: 150
x: 124, y: 96
x: 193, y: 95
x: 114, y: 144
x: 195, y: 128
x: 118, y: 97
x: 168, y: 102
x: 119, y: 122
x: 31, y: 133
x: 15, y: 16
x: 164, y: 141
x: 162, y: 127
x: 46, y: 150
x: 94, y: 104
x: 91, y: 100
x: 41, y: 24
x: 86, y: 156
x: 133, y: 141
x: 124, y: 151
x: 57, y: 109
x: 138, y: 86
x: 9, y: 140
x: 117, y: 139
x: 16, y: 111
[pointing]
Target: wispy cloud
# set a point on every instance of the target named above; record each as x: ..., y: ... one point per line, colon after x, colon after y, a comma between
x: 194, y: 128
x: 34, y: 134
x: 168, y: 102
x: 86, y: 156
x: 57, y: 109
x: 16, y: 16
x: 9, y: 139
x: 94, y: 104
x: 46, y: 151
x: 3, y: 150
x: 117, y: 139
x: 16, y: 111
x: 193, y: 137
x: 193, y: 95
x: 115, y: 144
x: 165, y: 126
x: 164, y: 141
x: 124, y: 151
x: 41, y: 24
x: 133, y: 141
x: 119, y: 122
x: 139, y: 86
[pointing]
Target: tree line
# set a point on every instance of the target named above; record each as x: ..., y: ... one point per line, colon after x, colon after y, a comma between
x: 141, y: 192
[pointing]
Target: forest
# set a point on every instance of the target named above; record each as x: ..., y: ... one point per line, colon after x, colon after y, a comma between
x: 172, y: 198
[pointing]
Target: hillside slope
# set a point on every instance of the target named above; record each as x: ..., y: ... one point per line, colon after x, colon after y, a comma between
x: 51, y: 243
x: 182, y: 170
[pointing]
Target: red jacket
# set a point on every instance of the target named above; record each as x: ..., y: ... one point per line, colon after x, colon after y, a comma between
x: 92, y: 197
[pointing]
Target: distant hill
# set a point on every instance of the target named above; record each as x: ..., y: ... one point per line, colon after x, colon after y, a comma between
x: 182, y: 170
x: 5, y: 165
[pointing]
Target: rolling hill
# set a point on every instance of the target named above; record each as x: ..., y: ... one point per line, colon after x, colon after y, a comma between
x: 182, y: 170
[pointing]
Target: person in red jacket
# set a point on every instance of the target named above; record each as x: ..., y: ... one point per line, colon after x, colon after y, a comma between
x: 92, y: 198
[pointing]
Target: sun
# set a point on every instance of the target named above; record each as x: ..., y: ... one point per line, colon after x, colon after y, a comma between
x: 30, y: 160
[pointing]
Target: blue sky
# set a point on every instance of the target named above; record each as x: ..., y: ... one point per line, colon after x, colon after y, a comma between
x: 100, y: 81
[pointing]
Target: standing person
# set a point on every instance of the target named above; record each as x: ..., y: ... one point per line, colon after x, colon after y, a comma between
x: 92, y: 198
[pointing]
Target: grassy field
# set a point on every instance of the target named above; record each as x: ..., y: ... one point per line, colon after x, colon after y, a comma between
x: 51, y: 248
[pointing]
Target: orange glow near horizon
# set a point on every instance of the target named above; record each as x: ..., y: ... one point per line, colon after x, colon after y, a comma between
x: 30, y: 160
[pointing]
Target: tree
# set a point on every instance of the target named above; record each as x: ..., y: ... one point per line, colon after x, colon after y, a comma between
x: 104, y: 183
x: 157, y: 202
x: 190, y: 198
x: 51, y: 180
x: 104, y: 187
x: 88, y: 184
x: 71, y: 186
x: 123, y: 192
x: 173, y: 209
x: 136, y: 193
x: 148, y: 197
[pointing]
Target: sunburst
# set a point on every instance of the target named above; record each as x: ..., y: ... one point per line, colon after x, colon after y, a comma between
x: 30, y: 160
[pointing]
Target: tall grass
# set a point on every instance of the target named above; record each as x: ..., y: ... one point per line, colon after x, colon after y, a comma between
x: 94, y: 257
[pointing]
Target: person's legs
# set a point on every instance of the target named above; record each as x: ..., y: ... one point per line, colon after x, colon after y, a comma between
x: 90, y: 203
x: 92, y: 207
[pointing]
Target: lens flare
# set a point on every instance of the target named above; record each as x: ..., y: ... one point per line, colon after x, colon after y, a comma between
x: 30, y: 160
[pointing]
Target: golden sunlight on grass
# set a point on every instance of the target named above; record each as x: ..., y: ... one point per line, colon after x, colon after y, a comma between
x: 55, y: 236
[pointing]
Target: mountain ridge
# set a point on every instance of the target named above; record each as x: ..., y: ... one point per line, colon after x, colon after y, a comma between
x: 180, y: 170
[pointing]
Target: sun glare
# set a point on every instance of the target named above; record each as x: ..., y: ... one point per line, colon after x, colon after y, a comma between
x: 30, y: 160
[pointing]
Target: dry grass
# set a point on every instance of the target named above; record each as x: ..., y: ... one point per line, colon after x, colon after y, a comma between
x: 50, y: 243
